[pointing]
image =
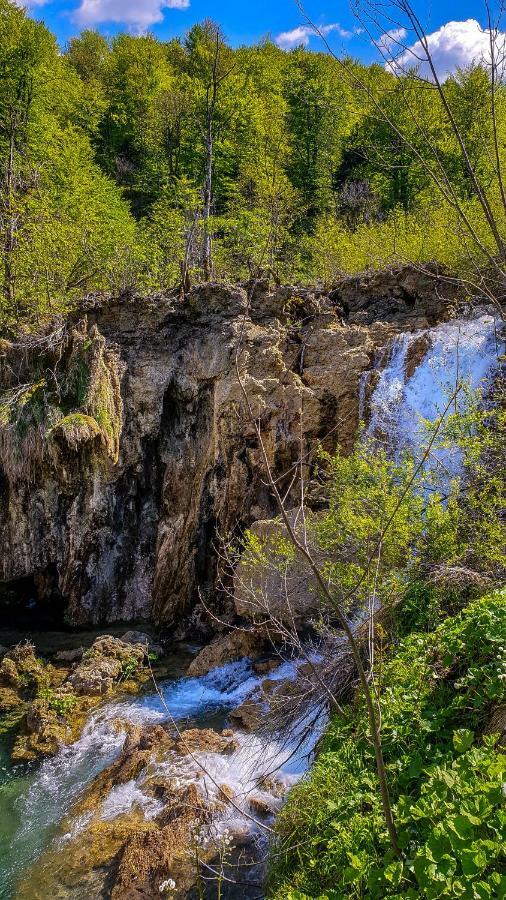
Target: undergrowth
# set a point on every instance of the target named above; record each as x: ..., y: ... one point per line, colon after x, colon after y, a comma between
x: 447, y: 777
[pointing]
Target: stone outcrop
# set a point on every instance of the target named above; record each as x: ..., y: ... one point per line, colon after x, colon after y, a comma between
x: 54, y: 703
x: 281, y: 591
x: 118, y: 519
x: 226, y: 648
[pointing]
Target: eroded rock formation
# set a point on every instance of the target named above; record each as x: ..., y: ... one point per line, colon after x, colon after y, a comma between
x: 122, y: 524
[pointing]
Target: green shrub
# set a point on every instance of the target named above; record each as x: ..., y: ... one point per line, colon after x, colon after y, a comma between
x: 436, y: 691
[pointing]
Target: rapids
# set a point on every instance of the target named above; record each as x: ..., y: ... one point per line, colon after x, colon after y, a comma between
x: 34, y: 802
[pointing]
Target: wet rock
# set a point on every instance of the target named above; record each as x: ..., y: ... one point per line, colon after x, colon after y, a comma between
x: 265, y: 666
x: 262, y: 805
x: 197, y: 626
x: 248, y: 715
x: 60, y: 702
x: 82, y: 866
x: 96, y: 677
x: 114, y: 648
x: 9, y: 699
x: 181, y: 803
x: 141, y: 746
x: 103, y: 664
x: 417, y: 351
x: 149, y: 858
x: 70, y: 656
x: 226, y: 648
x: 205, y: 740
x: 48, y: 724
x: 9, y: 673
x: 140, y: 637
x: 21, y: 674
x: 242, y: 837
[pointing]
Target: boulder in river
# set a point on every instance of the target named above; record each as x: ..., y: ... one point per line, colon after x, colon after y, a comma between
x: 104, y: 663
x: 227, y: 648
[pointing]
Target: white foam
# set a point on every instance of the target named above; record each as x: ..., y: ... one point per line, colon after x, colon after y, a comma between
x: 124, y: 798
x: 464, y: 350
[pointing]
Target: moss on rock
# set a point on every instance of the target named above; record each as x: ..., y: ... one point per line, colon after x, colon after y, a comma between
x: 75, y: 430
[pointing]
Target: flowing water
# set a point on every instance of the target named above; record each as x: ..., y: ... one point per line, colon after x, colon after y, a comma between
x: 464, y: 352
x: 34, y: 800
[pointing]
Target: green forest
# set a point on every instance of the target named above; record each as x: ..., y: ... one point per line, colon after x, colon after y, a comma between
x: 135, y: 164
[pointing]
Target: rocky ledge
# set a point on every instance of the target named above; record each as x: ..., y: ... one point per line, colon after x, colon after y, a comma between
x: 125, y: 452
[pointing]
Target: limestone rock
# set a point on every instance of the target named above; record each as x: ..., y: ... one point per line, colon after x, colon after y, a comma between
x: 226, y: 648
x: 103, y: 664
x: 248, y: 715
x: 262, y: 805
x: 140, y: 637
x: 204, y: 740
x: 70, y: 656
x: 265, y: 666
x: 134, y: 536
x: 286, y: 594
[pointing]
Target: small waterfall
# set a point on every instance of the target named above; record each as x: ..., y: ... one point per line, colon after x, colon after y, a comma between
x: 52, y: 790
x: 423, y: 370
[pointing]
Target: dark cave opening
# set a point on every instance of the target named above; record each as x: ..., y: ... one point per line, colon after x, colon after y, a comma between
x: 32, y: 601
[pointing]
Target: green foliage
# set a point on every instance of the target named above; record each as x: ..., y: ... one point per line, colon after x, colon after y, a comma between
x: 108, y: 143
x: 447, y: 782
x: 63, y: 704
x: 129, y: 667
x: 364, y: 490
x: 474, y: 525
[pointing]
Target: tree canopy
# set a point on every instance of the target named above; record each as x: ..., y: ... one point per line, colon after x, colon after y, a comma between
x: 121, y: 159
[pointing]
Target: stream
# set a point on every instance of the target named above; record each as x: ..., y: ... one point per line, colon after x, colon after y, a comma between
x: 35, y: 800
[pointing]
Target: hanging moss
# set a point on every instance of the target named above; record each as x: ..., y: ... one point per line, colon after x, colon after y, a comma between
x: 104, y: 401
x: 75, y: 430
x: 79, y: 402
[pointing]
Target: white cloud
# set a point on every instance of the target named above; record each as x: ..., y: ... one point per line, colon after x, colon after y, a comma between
x: 138, y: 15
x: 390, y: 40
x: 454, y: 45
x: 287, y: 40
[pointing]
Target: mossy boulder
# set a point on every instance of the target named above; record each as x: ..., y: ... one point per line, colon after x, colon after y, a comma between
x: 107, y: 662
x: 22, y: 675
x: 56, y: 703
x: 75, y: 431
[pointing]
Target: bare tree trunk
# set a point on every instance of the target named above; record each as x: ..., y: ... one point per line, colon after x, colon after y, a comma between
x: 208, y: 186
x: 10, y: 226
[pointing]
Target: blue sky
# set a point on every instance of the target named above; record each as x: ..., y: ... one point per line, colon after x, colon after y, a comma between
x: 248, y: 22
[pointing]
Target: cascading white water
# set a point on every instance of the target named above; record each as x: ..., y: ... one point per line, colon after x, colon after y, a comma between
x: 52, y: 791
x: 461, y: 351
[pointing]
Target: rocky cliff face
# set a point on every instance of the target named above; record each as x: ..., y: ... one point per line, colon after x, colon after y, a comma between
x: 122, y: 509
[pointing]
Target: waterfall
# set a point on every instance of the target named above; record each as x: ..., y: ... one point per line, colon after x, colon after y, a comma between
x: 421, y: 373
